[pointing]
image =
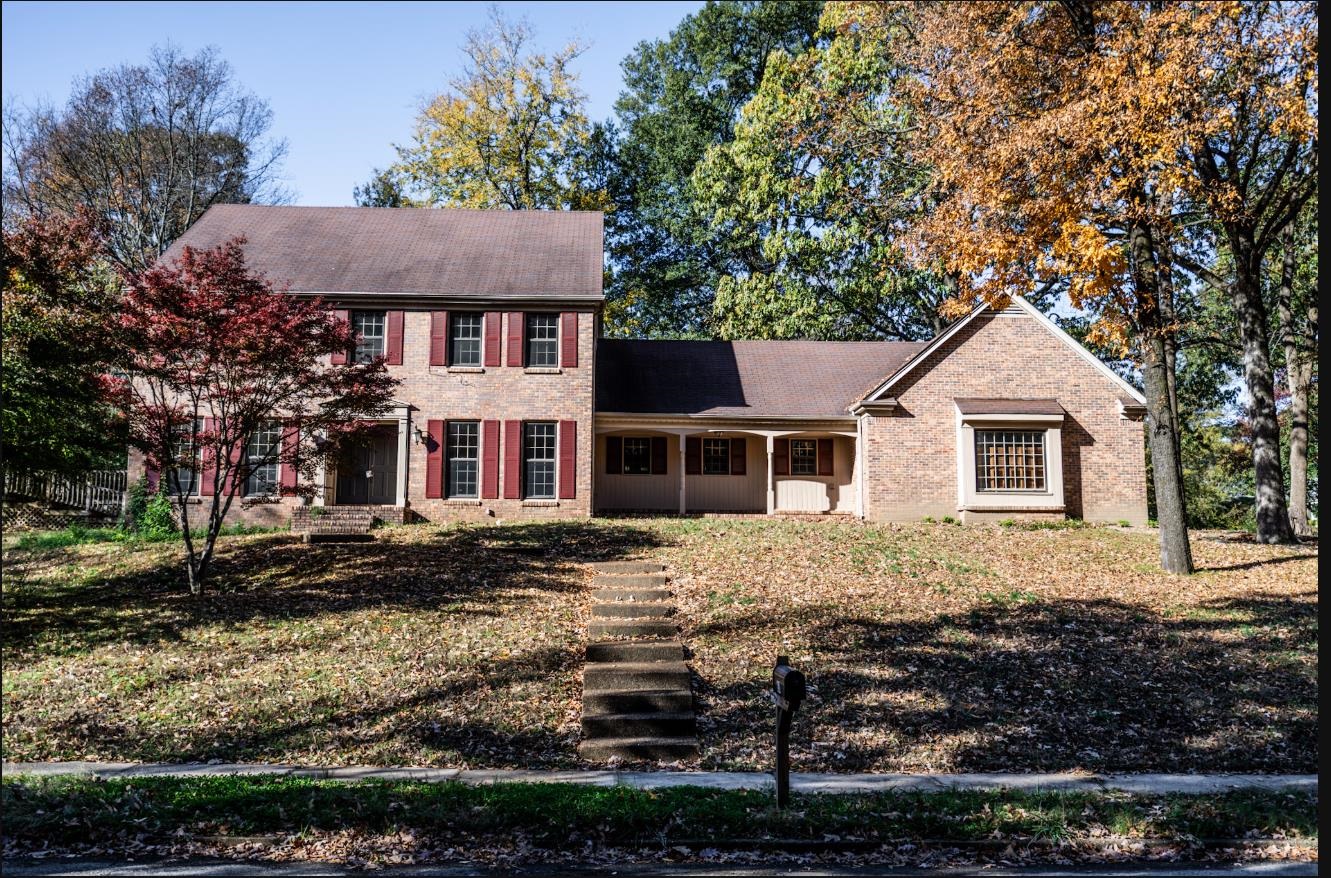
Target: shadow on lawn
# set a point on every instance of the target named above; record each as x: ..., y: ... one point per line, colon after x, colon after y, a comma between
x: 278, y: 577
x: 1101, y: 685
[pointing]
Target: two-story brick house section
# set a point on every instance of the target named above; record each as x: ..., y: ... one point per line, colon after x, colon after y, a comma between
x: 511, y: 406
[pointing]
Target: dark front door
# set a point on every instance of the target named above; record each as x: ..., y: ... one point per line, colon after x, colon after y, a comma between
x: 367, y: 474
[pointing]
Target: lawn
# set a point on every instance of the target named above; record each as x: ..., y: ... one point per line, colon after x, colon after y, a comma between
x: 928, y: 647
x: 381, y: 823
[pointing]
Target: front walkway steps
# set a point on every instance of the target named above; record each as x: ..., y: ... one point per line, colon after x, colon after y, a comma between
x: 637, y: 703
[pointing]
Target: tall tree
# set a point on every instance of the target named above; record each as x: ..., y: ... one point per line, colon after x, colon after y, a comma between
x: 57, y: 338
x: 1252, y: 140
x: 511, y: 132
x: 681, y: 96
x: 215, y: 354
x: 814, y: 190
x: 146, y: 149
x: 1045, y: 139
x: 1296, y: 313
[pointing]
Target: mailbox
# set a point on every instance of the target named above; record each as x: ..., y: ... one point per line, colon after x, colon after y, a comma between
x: 787, y: 694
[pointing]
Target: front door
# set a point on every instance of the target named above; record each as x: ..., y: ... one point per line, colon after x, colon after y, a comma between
x: 367, y: 474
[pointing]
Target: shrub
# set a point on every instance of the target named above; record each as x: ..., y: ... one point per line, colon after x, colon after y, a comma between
x: 928, y: 519
x: 158, y: 521
x: 1007, y: 522
x: 137, y: 505
x: 1123, y: 522
x: 947, y: 519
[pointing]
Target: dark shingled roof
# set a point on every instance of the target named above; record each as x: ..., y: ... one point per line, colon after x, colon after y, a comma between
x: 803, y: 379
x: 975, y: 406
x: 412, y: 250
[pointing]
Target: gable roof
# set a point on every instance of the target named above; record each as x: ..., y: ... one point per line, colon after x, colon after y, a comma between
x: 420, y: 251
x: 1018, y: 302
x: 773, y: 379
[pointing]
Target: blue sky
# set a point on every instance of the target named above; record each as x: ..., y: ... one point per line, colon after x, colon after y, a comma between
x: 344, y: 80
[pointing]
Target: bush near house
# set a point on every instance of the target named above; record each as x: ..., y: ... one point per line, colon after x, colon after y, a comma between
x: 927, y: 648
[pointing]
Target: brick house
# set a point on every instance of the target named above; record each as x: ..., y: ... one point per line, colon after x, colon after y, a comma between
x: 511, y: 405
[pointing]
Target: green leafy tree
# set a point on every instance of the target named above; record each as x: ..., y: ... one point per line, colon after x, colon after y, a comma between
x: 57, y: 339
x: 683, y: 95
x: 816, y: 187
x: 511, y: 132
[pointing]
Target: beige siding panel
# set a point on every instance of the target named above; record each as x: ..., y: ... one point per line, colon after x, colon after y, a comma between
x: 647, y: 493
x: 834, y: 493
x: 746, y: 493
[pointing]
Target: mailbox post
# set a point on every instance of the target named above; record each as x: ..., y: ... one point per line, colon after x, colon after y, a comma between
x: 787, y: 694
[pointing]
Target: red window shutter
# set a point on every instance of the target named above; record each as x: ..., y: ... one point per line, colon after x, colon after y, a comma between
x: 490, y: 459
x: 824, y: 457
x: 512, y: 460
x: 393, y: 356
x: 516, y: 324
x: 438, y: 338
x: 340, y: 357
x: 233, y: 483
x: 738, y: 456
x: 614, y: 455
x: 434, y: 460
x: 659, y: 467
x: 568, y: 460
x: 781, y: 457
x: 208, y: 469
x: 693, y: 455
x: 568, y: 340
x: 287, y: 467
x: 493, y: 338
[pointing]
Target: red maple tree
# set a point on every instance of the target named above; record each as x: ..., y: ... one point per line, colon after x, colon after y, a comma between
x: 216, y: 355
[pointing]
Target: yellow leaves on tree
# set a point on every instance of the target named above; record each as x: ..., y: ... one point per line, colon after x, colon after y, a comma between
x: 510, y: 133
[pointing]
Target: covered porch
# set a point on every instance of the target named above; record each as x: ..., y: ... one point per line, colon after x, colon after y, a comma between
x: 702, y: 466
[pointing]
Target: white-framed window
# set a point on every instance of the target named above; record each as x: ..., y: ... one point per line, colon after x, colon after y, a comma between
x: 265, y: 445
x: 543, y: 340
x: 464, y: 339
x: 716, y: 457
x: 1009, y: 460
x: 371, y: 328
x: 184, y: 479
x: 637, y: 456
x: 538, y: 455
x: 804, y: 457
x: 462, y: 448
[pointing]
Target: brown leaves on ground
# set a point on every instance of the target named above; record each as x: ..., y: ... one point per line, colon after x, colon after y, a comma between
x: 928, y: 647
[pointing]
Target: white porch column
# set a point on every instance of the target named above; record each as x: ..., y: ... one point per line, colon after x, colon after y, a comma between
x: 403, y: 445
x: 859, y: 467
x: 321, y: 484
x: 683, y: 465
x: 771, y: 484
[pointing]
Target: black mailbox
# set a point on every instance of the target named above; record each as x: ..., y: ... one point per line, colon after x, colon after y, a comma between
x: 787, y: 694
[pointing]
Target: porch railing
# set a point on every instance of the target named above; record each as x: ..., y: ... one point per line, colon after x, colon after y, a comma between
x: 98, y: 492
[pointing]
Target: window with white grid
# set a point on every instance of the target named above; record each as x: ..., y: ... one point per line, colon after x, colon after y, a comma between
x: 1009, y: 460
x: 463, y: 451
x: 542, y: 338
x: 538, y: 454
x: 372, y: 329
x: 184, y: 477
x: 804, y: 457
x: 262, y: 459
x: 465, y: 340
x: 637, y: 456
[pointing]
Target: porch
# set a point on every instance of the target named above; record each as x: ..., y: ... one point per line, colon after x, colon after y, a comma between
x: 728, y: 468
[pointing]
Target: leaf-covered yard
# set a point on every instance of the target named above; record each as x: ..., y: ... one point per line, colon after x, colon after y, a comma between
x: 929, y: 647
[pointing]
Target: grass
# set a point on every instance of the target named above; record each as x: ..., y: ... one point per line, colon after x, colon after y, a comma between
x: 927, y: 648
x: 555, y: 816
x: 78, y: 535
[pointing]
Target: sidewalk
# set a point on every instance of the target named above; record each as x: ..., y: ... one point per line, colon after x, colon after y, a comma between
x: 1150, y: 784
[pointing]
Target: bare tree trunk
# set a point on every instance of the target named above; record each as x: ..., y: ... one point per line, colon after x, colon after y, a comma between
x: 1246, y: 291
x: 1170, y: 508
x: 1298, y: 375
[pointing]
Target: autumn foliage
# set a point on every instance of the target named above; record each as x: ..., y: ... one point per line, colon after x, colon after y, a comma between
x: 215, y: 354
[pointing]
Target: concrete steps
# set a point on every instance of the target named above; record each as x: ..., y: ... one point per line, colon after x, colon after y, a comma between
x: 637, y: 701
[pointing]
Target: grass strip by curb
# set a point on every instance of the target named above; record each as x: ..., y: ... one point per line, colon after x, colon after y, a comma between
x: 59, y: 810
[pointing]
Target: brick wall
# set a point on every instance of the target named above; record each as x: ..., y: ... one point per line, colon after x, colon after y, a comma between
x: 912, y: 453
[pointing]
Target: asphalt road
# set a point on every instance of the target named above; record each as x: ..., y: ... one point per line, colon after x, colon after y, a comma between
x: 92, y: 868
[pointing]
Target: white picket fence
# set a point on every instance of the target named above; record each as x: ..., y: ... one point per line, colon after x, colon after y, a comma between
x: 101, y: 492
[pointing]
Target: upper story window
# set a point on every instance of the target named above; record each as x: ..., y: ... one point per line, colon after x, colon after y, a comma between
x: 1009, y: 460
x: 637, y: 456
x: 371, y: 328
x: 542, y: 340
x: 464, y: 339
x: 804, y: 457
x: 262, y: 459
x: 538, y: 455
